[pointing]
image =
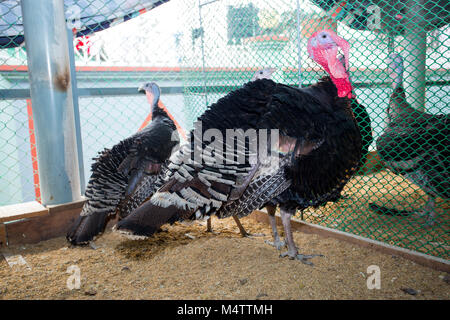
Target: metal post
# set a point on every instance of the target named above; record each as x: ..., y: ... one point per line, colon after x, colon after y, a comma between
x: 202, y: 43
x: 415, y: 41
x: 76, y: 109
x: 51, y: 94
x: 299, y: 46
x: 391, y: 41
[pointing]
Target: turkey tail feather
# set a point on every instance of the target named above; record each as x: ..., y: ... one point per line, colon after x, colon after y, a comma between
x: 103, y: 193
x: 259, y: 192
x: 147, y: 219
x: 144, y: 190
x: 87, y: 227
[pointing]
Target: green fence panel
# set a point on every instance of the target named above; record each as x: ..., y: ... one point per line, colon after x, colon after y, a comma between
x: 198, y: 51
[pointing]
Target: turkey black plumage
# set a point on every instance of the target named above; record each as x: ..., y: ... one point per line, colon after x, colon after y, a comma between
x: 290, y: 200
x: 265, y: 73
x: 362, y: 119
x: 289, y: 196
x: 416, y: 145
x: 317, y: 122
x: 122, y: 177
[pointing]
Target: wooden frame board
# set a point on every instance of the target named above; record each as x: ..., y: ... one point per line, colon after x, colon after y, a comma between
x: 21, y: 211
x: 299, y: 225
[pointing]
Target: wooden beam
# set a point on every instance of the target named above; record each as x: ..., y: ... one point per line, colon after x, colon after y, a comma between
x: 298, y: 225
x: 3, y: 238
x: 39, y: 228
x: 44, y: 227
x: 21, y: 211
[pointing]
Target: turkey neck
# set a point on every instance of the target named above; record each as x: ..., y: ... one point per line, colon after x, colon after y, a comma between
x: 397, y: 103
x: 158, y: 111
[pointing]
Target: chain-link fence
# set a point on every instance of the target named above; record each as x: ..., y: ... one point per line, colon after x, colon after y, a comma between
x: 391, y: 201
x: 198, y: 51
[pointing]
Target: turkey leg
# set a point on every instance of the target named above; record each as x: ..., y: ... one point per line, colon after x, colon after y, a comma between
x: 242, y: 230
x: 292, y: 252
x: 277, y: 243
x: 429, y: 212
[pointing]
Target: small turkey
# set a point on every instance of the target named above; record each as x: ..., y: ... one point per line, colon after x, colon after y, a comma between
x: 316, y: 123
x: 123, y: 176
x: 416, y: 145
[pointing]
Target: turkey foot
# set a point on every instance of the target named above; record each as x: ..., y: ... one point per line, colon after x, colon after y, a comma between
x: 292, y: 252
x: 428, y: 212
x: 301, y: 257
x: 243, y: 232
x: 209, y: 228
x: 277, y: 243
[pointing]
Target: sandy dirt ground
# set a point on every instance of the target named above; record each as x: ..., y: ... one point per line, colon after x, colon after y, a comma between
x: 188, y: 263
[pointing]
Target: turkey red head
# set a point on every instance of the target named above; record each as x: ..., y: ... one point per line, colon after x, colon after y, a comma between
x: 323, y: 48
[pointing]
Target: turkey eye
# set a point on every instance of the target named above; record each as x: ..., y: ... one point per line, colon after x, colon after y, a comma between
x: 324, y: 36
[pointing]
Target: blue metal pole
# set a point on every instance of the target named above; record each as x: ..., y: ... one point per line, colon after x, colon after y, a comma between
x: 299, y: 43
x: 76, y: 109
x: 51, y: 95
x: 202, y: 42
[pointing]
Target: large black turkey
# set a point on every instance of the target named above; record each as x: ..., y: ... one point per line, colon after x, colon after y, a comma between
x: 290, y: 200
x: 316, y: 123
x: 123, y: 176
x: 416, y: 145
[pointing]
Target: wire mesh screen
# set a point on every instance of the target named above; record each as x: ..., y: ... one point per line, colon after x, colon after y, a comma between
x: 117, y: 60
x: 117, y: 47
x: 16, y: 144
x: 399, y: 196
x: 198, y: 51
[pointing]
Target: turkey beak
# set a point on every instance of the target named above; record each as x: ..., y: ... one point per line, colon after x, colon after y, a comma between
x: 148, y: 94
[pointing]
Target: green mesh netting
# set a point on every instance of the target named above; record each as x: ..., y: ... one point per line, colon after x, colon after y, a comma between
x: 231, y: 39
x: 198, y: 51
